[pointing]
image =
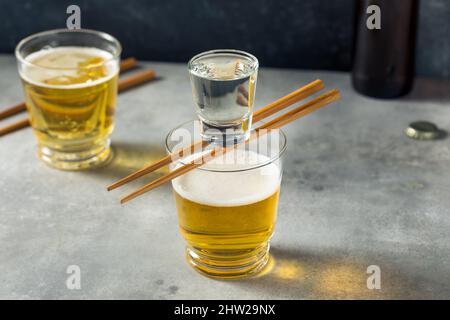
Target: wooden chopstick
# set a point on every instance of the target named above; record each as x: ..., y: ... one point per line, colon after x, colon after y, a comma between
x: 13, y: 110
x: 14, y: 127
x: 124, y: 84
x: 128, y: 64
x: 156, y: 165
x: 278, y: 122
x: 125, y: 65
x: 136, y: 79
x: 301, y: 111
x: 260, y: 114
x: 290, y: 99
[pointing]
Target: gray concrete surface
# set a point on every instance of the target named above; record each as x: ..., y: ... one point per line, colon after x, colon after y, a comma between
x: 356, y: 192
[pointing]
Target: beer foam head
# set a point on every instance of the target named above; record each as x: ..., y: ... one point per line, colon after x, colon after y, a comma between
x: 230, y: 188
x: 60, y: 62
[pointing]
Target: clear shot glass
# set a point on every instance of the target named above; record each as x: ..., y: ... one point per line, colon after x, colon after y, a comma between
x: 227, y: 208
x: 223, y: 86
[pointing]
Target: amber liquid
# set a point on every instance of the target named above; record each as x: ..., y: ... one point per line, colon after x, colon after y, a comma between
x: 73, y: 115
x: 227, y: 237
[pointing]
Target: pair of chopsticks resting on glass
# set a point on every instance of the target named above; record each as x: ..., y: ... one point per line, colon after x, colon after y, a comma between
x: 272, y: 108
x: 124, y: 84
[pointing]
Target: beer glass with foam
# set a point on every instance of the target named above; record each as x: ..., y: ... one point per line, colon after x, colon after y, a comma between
x: 70, y: 84
x: 227, y: 208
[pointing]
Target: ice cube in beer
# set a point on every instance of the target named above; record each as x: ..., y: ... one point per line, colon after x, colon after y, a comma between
x: 93, y: 68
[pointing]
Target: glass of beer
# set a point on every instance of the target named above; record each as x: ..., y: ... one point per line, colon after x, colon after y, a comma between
x: 223, y: 85
x: 227, y: 207
x: 70, y: 83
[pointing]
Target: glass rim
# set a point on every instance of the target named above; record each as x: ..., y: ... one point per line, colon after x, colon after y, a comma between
x: 250, y: 167
x: 101, y: 34
x: 254, y: 66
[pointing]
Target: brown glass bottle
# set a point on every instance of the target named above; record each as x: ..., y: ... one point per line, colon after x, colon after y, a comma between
x: 383, y: 61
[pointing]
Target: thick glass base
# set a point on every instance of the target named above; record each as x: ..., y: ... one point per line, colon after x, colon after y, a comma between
x: 226, y: 135
x: 76, y: 160
x: 229, y: 264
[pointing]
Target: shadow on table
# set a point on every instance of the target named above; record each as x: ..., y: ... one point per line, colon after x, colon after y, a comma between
x: 129, y: 157
x: 295, y: 274
x: 430, y: 89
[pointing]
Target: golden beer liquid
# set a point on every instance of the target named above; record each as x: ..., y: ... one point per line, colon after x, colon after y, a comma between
x: 72, y: 111
x: 227, y: 229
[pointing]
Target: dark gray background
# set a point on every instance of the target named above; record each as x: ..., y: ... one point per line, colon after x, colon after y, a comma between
x: 312, y: 34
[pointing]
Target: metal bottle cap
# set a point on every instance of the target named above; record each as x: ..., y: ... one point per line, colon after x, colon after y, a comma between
x: 422, y: 130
